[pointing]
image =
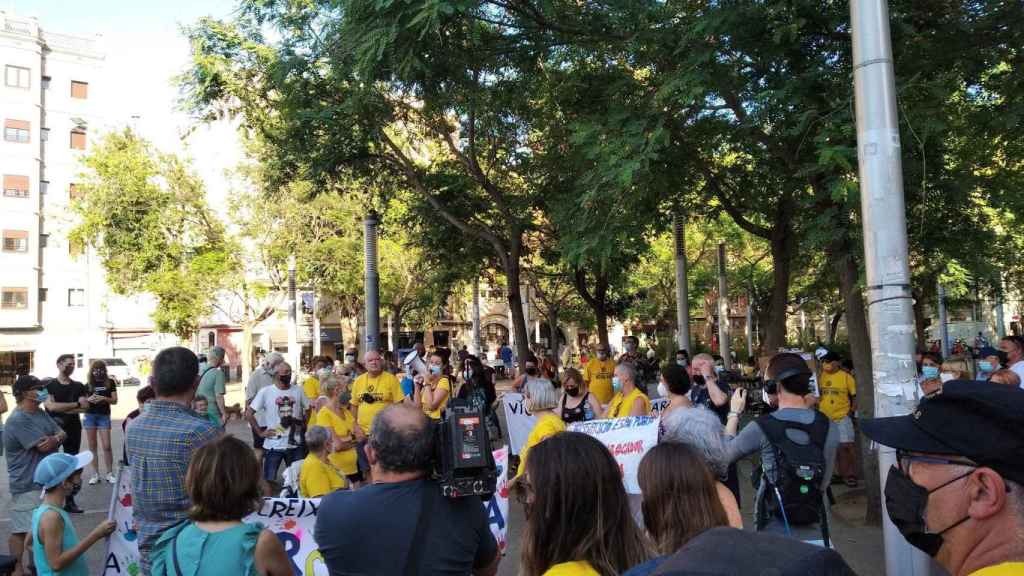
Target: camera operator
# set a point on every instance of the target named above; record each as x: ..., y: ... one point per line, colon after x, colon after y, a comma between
x: 402, y: 524
x: 710, y: 390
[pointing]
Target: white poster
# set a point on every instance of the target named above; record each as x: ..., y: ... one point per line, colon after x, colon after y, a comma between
x: 519, y: 421
x: 628, y: 439
x: 497, y: 506
x: 658, y: 406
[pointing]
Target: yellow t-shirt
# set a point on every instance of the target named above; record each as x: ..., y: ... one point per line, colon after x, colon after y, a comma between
x: 575, y: 568
x: 385, y: 389
x: 343, y: 426
x: 597, y: 374
x: 621, y: 405
x: 1004, y: 569
x: 547, y: 425
x: 442, y: 384
x: 311, y: 387
x: 836, y: 389
x: 317, y: 478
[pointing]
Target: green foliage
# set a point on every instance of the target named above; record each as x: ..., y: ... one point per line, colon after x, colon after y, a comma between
x: 145, y: 214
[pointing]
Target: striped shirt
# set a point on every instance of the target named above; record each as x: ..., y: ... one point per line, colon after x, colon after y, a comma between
x: 160, y: 444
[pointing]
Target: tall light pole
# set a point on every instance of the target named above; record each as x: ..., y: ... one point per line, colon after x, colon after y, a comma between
x: 724, y: 329
x: 372, y: 282
x: 682, y: 304
x: 943, y: 321
x: 1000, y: 321
x: 476, y: 317
x: 885, y: 245
x: 293, y: 318
x: 316, y: 323
x: 750, y: 328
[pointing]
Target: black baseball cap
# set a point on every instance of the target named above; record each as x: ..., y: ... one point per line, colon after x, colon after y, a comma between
x: 24, y: 383
x: 713, y: 553
x: 786, y: 366
x: 981, y: 421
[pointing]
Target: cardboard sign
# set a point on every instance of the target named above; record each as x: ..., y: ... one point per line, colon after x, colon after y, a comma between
x: 628, y: 439
x: 519, y: 420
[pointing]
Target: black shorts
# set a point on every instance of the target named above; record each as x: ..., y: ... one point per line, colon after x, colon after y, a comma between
x: 257, y: 439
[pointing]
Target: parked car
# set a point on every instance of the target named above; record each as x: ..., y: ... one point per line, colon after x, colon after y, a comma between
x: 120, y: 371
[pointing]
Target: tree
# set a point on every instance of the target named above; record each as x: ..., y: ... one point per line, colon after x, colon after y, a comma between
x: 145, y: 214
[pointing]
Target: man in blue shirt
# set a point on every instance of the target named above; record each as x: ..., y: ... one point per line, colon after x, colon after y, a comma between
x: 160, y: 443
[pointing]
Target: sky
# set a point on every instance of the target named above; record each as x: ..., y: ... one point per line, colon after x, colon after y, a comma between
x: 145, y: 49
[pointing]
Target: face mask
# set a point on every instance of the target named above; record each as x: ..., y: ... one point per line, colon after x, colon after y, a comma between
x: 531, y: 370
x: 42, y: 395
x: 616, y: 384
x: 630, y: 347
x: 946, y: 377
x: 350, y: 359
x: 285, y: 378
x: 1004, y: 358
x: 469, y: 374
x: 719, y: 369
x: 602, y: 355
x: 324, y: 373
x: 681, y: 362
x: 345, y: 397
x: 435, y: 370
x: 930, y: 372
x: 574, y: 391
x: 985, y: 366
x: 698, y: 379
x: 662, y: 390
x: 906, y: 502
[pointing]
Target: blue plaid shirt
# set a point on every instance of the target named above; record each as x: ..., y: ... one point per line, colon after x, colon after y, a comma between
x: 160, y: 443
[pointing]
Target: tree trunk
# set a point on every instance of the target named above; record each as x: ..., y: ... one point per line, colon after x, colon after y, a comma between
x: 396, y: 327
x: 515, y: 303
x: 919, y: 319
x: 246, y: 351
x: 598, y: 300
x: 835, y: 326
x: 554, y: 344
x: 860, y: 351
x: 775, y: 328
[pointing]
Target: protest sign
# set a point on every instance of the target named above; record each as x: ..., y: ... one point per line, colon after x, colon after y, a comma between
x: 658, y: 406
x: 518, y: 421
x: 293, y: 520
x: 628, y: 439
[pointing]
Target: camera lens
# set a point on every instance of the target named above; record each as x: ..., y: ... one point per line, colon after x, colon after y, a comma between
x: 368, y: 398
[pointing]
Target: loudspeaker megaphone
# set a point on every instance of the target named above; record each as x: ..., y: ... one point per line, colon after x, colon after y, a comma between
x: 414, y: 364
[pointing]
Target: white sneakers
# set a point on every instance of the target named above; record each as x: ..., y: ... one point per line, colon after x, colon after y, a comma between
x: 110, y: 478
x: 96, y: 479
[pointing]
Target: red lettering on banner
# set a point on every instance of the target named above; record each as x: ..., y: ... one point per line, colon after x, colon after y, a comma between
x: 625, y: 448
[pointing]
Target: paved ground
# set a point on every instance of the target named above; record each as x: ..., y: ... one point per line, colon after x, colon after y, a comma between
x: 861, y: 545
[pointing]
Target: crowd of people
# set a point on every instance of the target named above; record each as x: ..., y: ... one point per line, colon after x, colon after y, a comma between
x: 359, y: 436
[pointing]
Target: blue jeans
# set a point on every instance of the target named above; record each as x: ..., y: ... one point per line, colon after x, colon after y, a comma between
x: 272, y: 461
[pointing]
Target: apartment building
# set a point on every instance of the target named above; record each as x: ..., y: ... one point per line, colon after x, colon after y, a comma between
x: 51, y: 291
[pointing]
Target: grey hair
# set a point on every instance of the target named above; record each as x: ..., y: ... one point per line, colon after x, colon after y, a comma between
x: 701, y: 429
x: 541, y: 394
x: 217, y: 352
x: 273, y: 359
x: 402, y: 439
x: 628, y: 370
x: 317, y: 437
x: 329, y: 385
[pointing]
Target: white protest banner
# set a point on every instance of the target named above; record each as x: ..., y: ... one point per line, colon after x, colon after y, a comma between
x: 628, y: 439
x: 658, y: 406
x: 518, y: 421
x: 497, y: 506
x: 293, y: 520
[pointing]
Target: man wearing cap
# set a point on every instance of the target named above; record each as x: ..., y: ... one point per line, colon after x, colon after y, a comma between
x: 1013, y: 347
x: 29, y: 436
x: 54, y: 546
x: 989, y: 361
x: 957, y: 490
x: 793, y: 421
x: 839, y: 402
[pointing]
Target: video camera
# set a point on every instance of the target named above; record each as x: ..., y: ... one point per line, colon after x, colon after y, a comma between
x: 463, y: 462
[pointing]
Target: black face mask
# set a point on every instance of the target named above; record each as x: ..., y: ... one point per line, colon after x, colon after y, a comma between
x: 532, y: 371
x: 698, y: 379
x: 1004, y: 358
x: 285, y: 378
x: 906, y: 502
x: 574, y: 392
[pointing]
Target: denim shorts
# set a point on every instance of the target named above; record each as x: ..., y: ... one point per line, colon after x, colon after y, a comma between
x: 94, y: 421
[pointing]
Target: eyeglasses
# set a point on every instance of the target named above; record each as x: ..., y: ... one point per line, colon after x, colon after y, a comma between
x: 904, y: 460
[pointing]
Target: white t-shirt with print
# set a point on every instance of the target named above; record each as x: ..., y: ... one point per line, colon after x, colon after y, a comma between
x: 277, y: 404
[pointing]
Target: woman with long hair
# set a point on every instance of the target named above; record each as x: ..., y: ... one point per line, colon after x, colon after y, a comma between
x: 433, y: 392
x: 578, y: 521
x: 223, y: 484
x: 680, y: 500
x: 102, y: 395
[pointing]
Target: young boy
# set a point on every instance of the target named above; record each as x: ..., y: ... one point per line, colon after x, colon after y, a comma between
x: 200, y: 406
x: 54, y: 544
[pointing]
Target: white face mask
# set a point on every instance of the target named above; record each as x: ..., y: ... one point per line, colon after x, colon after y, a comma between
x: 946, y: 377
x: 662, y: 390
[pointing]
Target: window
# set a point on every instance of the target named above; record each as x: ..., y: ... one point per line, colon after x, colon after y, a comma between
x: 15, y: 186
x: 78, y: 139
x: 15, y: 241
x: 17, y: 77
x: 76, y: 297
x: 79, y: 90
x: 13, y: 298
x: 16, y: 131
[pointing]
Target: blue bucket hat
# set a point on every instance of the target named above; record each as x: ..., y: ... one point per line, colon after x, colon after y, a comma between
x: 58, y: 467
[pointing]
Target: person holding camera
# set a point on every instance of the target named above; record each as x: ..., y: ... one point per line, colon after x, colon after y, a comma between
x: 432, y: 393
x: 372, y: 391
x: 402, y: 523
x: 284, y: 407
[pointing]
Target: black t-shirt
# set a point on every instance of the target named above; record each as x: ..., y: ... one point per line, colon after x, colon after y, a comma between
x: 369, y: 531
x: 700, y: 396
x: 106, y: 390
x: 69, y: 392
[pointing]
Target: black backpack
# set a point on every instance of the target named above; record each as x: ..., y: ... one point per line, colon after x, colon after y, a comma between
x: 799, y: 471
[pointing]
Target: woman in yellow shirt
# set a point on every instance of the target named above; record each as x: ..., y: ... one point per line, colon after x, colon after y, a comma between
x: 578, y: 522
x: 336, y: 416
x: 628, y: 399
x: 433, y: 393
x: 541, y: 401
x: 317, y: 475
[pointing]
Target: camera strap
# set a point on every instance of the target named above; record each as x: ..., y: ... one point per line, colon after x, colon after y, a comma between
x: 415, y: 556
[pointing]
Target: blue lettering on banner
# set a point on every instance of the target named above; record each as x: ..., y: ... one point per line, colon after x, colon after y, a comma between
x: 291, y: 548
x: 494, y: 516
